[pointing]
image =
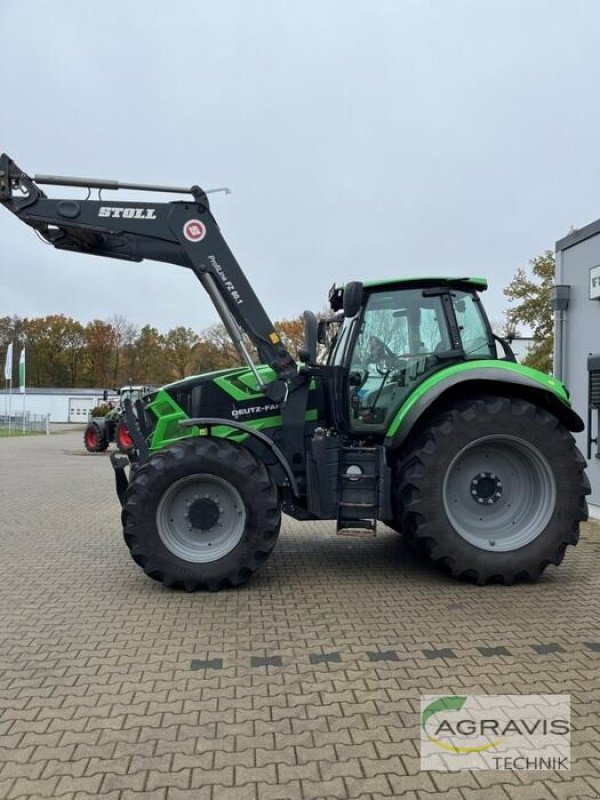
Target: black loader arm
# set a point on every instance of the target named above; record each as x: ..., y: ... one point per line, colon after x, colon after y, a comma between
x: 179, y: 232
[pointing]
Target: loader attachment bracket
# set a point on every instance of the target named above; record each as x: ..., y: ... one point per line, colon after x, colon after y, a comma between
x: 13, y: 180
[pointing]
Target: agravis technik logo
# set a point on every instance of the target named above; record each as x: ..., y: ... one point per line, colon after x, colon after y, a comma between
x: 516, y: 732
x: 462, y: 727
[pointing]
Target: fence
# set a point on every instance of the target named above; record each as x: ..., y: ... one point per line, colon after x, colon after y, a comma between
x: 25, y: 423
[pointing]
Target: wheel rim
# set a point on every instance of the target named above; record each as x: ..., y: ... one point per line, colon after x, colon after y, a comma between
x: 124, y: 436
x: 499, y: 493
x: 91, y: 438
x: 201, y: 518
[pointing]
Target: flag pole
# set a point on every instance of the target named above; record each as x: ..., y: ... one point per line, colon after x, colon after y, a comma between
x: 22, y: 384
x: 9, y: 405
x: 8, y: 364
x: 8, y: 377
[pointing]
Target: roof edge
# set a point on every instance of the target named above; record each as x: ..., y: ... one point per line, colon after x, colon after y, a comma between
x: 580, y: 235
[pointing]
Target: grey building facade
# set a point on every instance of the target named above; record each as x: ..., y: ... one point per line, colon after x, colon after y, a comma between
x: 576, y: 303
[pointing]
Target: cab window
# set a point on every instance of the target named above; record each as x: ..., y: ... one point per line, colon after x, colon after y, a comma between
x: 472, y: 326
x: 400, y: 334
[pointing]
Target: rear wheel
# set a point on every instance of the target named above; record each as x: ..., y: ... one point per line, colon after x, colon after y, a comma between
x: 201, y: 514
x: 494, y: 489
x: 94, y: 438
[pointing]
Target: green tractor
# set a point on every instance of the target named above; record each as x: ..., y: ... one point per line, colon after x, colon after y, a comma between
x: 414, y: 415
x: 102, y: 430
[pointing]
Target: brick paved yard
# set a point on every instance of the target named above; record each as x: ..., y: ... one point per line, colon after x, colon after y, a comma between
x: 304, y: 684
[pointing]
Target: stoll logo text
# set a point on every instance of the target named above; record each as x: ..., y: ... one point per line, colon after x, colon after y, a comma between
x: 516, y: 732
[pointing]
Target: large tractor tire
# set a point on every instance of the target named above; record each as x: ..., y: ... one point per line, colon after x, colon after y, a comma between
x: 94, y: 438
x: 493, y: 489
x: 201, y: 514
x: 123, y: 438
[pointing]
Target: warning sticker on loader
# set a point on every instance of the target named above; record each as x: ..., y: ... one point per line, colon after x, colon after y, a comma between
x: 194, y: 230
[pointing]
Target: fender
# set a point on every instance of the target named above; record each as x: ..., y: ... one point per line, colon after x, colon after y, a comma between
x: 120, y: 460
x: 209, y: 422
x: 500, y: 376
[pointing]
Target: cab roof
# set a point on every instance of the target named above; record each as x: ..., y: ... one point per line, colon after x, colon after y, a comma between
x: 479, y: 284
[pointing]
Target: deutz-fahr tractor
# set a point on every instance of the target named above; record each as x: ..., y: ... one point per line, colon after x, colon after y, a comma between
x: 101, y: 431
x: 412, y: 418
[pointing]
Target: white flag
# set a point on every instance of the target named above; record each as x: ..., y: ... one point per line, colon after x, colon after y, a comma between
x: 8, y: 363
x: 22, y: 371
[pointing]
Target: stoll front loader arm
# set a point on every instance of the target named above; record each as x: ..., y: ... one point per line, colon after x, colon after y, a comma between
x: 183, y: 233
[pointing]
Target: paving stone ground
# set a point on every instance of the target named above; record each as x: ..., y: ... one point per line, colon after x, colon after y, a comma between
x: 304, y: 684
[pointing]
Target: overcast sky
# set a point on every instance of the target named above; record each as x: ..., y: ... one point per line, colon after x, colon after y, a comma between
x: 361, y: 140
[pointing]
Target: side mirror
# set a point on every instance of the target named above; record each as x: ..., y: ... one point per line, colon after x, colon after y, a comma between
x: 505, y: 344
x: 308, y: 354
x: 335, y: 297
x: 353, y: 297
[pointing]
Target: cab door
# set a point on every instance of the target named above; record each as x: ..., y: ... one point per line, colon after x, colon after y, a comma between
x: 402, y: 336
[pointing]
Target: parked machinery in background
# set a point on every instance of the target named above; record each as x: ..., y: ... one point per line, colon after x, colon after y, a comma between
x: 101, y: 431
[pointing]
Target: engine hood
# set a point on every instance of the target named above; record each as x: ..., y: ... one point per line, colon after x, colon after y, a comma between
x: 227, y: 394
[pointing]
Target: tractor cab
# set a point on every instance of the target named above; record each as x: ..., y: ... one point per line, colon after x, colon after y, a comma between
x: 133, y: 393
x: 398, y: 335
x: 394, y: 336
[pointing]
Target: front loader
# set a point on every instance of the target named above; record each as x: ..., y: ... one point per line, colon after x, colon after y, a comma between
x: 411, y: 418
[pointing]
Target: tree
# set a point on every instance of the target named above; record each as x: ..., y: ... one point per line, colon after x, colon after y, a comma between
x: 148, y: 365
x: 54, y: 347
x: 217, y: 351
x: 125, y: 335
x: 180, y: 351
x: 292, y: 334
x: 73, y: 342
x: 532, y: 295
x: 99, y: 351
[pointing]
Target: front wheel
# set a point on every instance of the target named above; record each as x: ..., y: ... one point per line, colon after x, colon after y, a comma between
x: 494, y: 489
x: 123, y: 438
x: 203, y: 513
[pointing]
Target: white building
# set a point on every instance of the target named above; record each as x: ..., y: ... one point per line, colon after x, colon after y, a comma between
x: 576, y: 303
x: 63, y: 405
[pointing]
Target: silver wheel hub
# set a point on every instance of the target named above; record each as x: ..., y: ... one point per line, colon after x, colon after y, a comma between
x: 499, y: 493
x: 486, y: 488
x: 201, y: 518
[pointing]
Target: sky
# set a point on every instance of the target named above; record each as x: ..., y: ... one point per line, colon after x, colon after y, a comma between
x: 361, y: 140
